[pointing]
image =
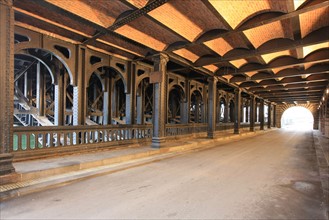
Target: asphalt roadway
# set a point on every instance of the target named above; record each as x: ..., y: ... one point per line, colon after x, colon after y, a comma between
x: 269, y: 176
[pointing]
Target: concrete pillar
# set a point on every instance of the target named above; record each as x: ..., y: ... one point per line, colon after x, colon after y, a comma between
x: 269, y: 113
x: 261, y: 114
x: 252, y: 113
x: 237, y: 111
x: 212, y: 95
x: 40, y: 90
x: 7, y: 170
x: 159, y: 79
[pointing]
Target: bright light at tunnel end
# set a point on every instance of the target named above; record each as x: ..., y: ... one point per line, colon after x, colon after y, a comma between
x: 297, y: 118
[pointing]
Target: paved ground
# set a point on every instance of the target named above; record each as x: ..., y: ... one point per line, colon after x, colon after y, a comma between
x: 272, y: 177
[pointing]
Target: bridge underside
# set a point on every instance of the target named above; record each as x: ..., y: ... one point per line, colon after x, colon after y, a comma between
x: 89, y: 75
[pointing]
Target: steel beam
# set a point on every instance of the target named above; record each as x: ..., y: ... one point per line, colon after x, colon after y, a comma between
x: 121, y: 21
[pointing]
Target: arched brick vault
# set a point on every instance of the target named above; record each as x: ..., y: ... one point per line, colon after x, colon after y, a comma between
x: 259, y: 40
x: 280, y: 109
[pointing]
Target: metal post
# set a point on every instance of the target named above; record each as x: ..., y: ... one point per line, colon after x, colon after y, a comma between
x: 141, y: 104
x: 131, y: 94
x: 237, y: 111
x: 159, y: 78
x: 261, y: 114
x: 40, y: 90
x: 269, y: 117
x: 274, y: 115
x: 58, y: 108
x: 252, y: 113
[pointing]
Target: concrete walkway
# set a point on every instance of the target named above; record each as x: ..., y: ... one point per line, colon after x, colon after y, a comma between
x: 271, y: 176
x: 37, y: 175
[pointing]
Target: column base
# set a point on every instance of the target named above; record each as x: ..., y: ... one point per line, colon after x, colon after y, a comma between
x: 237, y: 132
x: 211, y: 135
x: 7, y: 170
x: 6, y: 164
x: 158, y: 142
x: 252, y: 129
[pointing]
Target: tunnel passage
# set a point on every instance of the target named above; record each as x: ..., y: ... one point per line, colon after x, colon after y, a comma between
x: 297, y: 117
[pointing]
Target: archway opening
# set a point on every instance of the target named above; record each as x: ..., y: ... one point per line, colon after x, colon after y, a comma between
x: 297, y: 118
x: 176, y: 96
x: 196, y: 107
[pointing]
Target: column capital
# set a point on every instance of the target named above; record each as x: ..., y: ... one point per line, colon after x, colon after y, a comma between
x: 7, y: 2
x: 236, y: 90
x: 160, y: 58
x: 212, y: 79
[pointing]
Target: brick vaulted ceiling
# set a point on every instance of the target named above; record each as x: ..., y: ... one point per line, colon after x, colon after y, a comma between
x: 278, y: 50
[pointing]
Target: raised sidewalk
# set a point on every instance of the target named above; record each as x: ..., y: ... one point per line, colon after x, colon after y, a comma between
x: 42, y: 174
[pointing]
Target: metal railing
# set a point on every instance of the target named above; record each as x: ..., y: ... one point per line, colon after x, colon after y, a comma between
x: 185, y: 129
x: 224, y: 126
x: 47, y: 137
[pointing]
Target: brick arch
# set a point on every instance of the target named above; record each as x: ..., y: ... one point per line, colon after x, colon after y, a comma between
x: 280, y: 109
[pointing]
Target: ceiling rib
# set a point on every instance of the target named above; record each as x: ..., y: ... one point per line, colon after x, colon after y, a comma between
x: 254, y: 25
x: 129, y: 18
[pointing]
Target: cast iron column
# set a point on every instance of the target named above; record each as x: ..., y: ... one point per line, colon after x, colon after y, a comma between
x: 159, y: 79
x: 6, y: 86
x: 79, y: 91
x: 269, y: 117
x: 141, y: 104
x: 274, y: 115
x: 131, y: 94
x: 237, y: 117
x: 252, y: 113
x: 261, y: 114
x: 212, y: 91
